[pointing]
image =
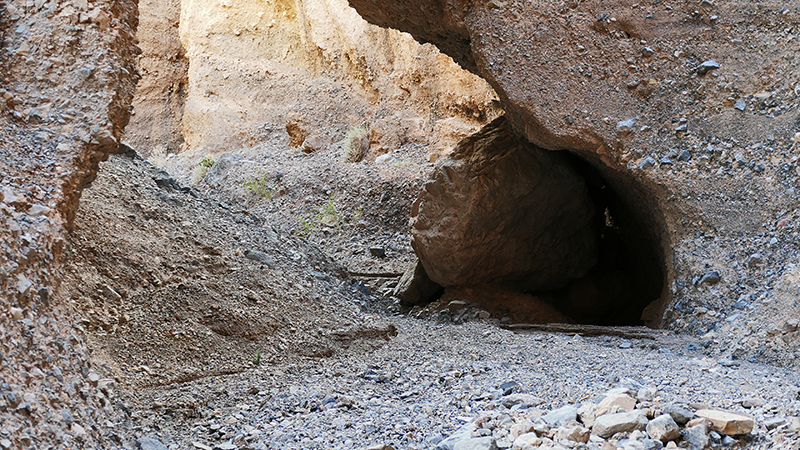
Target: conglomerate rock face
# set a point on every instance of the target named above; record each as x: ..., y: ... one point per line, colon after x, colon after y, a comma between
x: 688, y: 109
x: 66, y: 83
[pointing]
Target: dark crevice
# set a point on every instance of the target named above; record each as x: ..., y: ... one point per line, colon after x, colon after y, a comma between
x: 538, y: 236
x: 625, y: 287
x: 628, y: 275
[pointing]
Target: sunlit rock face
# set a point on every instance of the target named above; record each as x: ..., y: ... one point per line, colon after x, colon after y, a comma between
x: 314, y: 68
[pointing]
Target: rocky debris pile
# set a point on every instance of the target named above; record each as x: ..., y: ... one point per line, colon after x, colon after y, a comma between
x: 355, y: 213
x: 194, y: 287
x: 629, y: 417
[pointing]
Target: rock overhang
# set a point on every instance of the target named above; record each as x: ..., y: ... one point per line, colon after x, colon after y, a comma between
x: 630, y: 87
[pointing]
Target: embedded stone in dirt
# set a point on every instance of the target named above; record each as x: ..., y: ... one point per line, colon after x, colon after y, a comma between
x: 726, y: 422
x: 504, y: 212
x: 415, y: 287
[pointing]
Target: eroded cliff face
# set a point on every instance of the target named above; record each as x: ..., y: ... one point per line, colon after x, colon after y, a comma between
x: 156, y: 121
x: 314, y: 68
x: 67, y: 81
x: 688, y: 110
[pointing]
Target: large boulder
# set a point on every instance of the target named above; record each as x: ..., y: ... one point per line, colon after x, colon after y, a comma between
x: 502, y: 211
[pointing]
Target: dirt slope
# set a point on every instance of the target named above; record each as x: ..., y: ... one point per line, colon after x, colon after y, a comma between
x: 173, y: 287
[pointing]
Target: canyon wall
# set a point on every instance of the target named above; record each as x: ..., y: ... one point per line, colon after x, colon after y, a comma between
x: 67, y: 80
x: 314, y: 67
x: 156, y: 121
x: 689, y: 110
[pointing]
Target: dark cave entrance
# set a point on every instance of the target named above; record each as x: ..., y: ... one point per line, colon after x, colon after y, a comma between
x: 538, y: 236
x: 625, y: 286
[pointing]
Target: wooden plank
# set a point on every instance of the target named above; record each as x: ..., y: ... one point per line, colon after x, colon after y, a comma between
x: 375, y: 274
x: 590, y: 330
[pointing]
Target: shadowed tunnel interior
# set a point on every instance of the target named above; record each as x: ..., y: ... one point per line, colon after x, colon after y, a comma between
x: 539, y: 236
x: 628, y: 275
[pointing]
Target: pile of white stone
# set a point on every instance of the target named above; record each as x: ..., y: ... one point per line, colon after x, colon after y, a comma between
x: 625, y: 418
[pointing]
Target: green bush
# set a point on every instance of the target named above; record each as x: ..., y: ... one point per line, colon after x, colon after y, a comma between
x: 327, y: 214
x: 206, y: 162
x: 202, y: 169
x: 259, y: 187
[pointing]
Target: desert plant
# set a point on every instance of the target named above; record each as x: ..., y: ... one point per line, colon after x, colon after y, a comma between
x: 307, y: 226
x: 202, y: 169
x: 402, y: 163
x: 206, y: 162
x: 257, y: 359
x: 356, y: 144
x: 327, y: 214
x: 259, y: 187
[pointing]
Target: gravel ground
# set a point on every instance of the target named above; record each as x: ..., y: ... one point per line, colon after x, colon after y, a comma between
x: 434, y: 377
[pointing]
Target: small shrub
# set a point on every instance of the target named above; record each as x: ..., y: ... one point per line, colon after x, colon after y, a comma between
x: 202, y: 169
x: 206, y: 162
x: 356, y: 144
x: 257, y: 359
x: 259, y: 187
x: 327, y: 214
x: 307, y: 226
x: 403, y: 163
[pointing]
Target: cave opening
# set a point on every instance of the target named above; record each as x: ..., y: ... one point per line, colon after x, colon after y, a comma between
x: 625, y: 286
x: 539, y: 236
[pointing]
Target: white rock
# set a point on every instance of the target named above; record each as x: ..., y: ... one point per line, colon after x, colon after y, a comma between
x: 38, y: 210
x: 561, y: 416
x: 526, y: 399
x: 647, y: 394
x: 520, y: 428
x: 609, y: 424
x: 727, y: 422
x: 482, y: 443
x: 525, y: 439
x: 574, y: 432
x: 587, y: 414
x: 16, y: 313
x: 623, y: 401
x: 23, y: 285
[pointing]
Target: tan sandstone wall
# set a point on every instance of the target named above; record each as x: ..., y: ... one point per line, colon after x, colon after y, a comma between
x: 155, y: 126
x: 256, y: 66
